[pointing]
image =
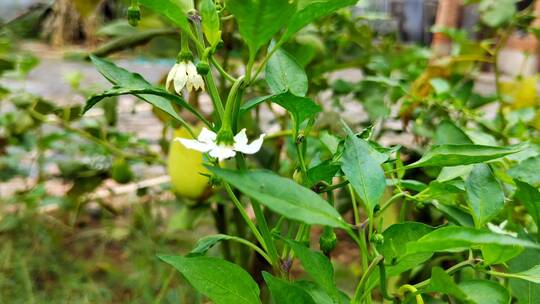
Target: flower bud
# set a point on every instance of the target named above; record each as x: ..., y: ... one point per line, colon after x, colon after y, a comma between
x: 377, y: 238
x: 328, y: 240
x: 134, y: 15
x: 203, y: 68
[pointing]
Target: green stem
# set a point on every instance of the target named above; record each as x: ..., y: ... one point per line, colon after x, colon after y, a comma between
x: 263, y: 226
x: 365, y: 277
x: 450, y: 271
x: 221, y: 70
x: 244, y: 215
x: 230, y: 105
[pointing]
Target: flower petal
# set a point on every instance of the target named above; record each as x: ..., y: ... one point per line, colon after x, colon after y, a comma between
x: 241, y: 138
x: 207, y: 136
x: 195, y: 144
x: 252, y: 148
x: 222, y: 152
x: 180, y: 78
x: 170, y: 77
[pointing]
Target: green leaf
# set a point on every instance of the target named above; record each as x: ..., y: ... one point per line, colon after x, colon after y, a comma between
x: 259, y: 20
x: 531, y: 275
x: 221, y: 281
x: 163, y: 103
x: 440, y: 85
x: 525, y: 291
x: 123, y: 78
x: 527, y: 171
x: 497, y: 12
x: 455, y: 155
x: 204, y: 244
x: 442, y: 282
x: 496, y: 254
x: 318, y: 267
x: 485, y: 194
x: 283, y: 73
x: 319, y: 295
x: 483, y: 291
x: 284, y: 292
x: 363, y: 172
x: 394, y: 247
x: 310, y: 10
x: 283, y: 196
x: 448, y: 133
x: 454, y: 238
x: 210, y: 22
x: 529, y: 196
x: 301, y: 108
x: 170, y: 9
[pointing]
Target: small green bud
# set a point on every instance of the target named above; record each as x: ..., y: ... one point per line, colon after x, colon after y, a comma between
x: 328, y: 240
x: 184, y: 56
x: 134, y: 15
x: 298, y: 176
x: 377, y: 238
x: 203, y: 68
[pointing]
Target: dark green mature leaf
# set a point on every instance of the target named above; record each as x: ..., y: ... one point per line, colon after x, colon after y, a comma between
x: 455, y: 155
x: 443, y: 282
x: 221, y: 281
x: 483, y: 291
x: 204, y: 244
x: 310, y: 10
x: 318, y: 266
x: 283, y: 73
x: 319, y: 295
x: 259, y: 20
x: 210, y: 22
x: 394, y: 247
x: 485, y: 194
x: 284, y: 292
x: 363, y: 172
x: 123, y: 78
x: 456, y: 238
x: 283, y: 196
x: 162, y: 104
x: 170, y: 9
x: 525, y: 291
x: 301, y: 108
x: 527, y: 171
x: 529, y: 196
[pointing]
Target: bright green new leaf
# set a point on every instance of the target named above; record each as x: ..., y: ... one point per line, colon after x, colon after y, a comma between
x: 318, y: 267
x: 455, y: 238
x: 496, y: 254
x: 283, y: 196
x: 283, y: 73
x: 221, y: 281
x: 171, y: 9
x: 527, y: 171
x: 483, y: 292
x: 529, y: 196
x: 363, y: 172
x: 259, y: 20
x: 456, y: 155
x: 284, y: 292
x: 210, y: 22
x: 485, y: 194
x: 311, y: 10
x: 443, y: 282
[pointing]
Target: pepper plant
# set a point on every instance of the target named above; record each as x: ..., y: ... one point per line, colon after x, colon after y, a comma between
x: 297, y: 193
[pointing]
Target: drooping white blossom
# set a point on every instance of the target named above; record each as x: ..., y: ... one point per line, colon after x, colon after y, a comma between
x: 207, y: 142
x: 184, y: 74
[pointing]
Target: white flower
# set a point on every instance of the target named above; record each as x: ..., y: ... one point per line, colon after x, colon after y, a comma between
x: 500, y: 229
x: 185, y: 74
x: 207, y: 142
